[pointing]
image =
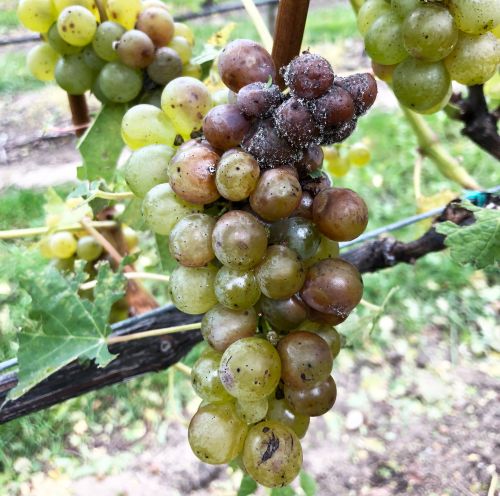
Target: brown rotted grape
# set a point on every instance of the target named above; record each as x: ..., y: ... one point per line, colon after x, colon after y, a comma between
x: 338, y: 133
x: 268, y: 147
x: 305, y: 206
x: 332, y: 286
x: 333, y: 108
x: 258, y: 99
x: 314, y: 185
x: 277, y: 194
x: 225, y: 126
x: 340, y: 213
x: 158, y: 24
x: 309, y: 76
x: 306, y: 359
x: 312, y: 402
x: 311, y: 161
x: 325, y: 318
x: 191, y: 174
x: 363, y: 89
x: 243, y: 62
x: 295, y: 122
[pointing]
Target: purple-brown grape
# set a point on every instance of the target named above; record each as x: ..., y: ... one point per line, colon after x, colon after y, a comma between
x: 362, y: 88
x: 258, y: 99
x: 283, y: 315
x: 312, y: 402
x: 340, y: 213
x: 333, y: 108
x: 158, y: 24
x: 243, y: 62
x: 136, y: 49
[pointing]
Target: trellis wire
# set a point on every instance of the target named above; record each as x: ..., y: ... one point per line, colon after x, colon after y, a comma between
x: 206, y: 12
x: 473, y: 195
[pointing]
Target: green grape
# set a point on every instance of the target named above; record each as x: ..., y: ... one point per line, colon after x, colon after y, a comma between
x: 359, y: 154
x: 299, y: 234
x: 73, y: 74
x: 162, y: 209
x: 216, y: 434
x: 62, y: 244
x: 239, y: 240
x: 93, y: 61
x: 181, y: 29
x: 106, y: 35
x: 306, y: 359
x: 221, y: 326
x: 429, y: 32
x: 205, y: 377
x: 76, y: 25
x: 250, y: 369
x: 338, y: 165
x: 219, y: 97
x: 97, y: 92
x: 41, y: 61
x: 120, y: 83
x: 130, y: 237
x: 124, y: 12
x: 281, y: 273
x: 474, y: 59
x: 144, y: 125
x: 44, y: 247
x: 36, y: 15
x: 195, y: 71
x: 475, y: 16
x: 252, y: 411
x: 439, y: 106
x: 384, y: 40
x: 88, y: 249
x: 404, y: 7
x: 496, y: 31
x: 272, y: 454
x: 332, y: 337
x: 165, y: 67
x: 236, y: 289
x: 283, y: 315
x: 280, y: 411
x: 190, y: 241
x: 182, y: 47
x: 237, y: 175
x: 147, y: 167
x: 192, y: 289
x: 186, y: 101
x: 420, y: 85
x: 58, y: 44
x: 90, y: 5
x: 369, y: 12
x: 313, y: 402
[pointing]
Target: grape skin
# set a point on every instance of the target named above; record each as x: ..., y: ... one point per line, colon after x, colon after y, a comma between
x: 158, y: 24
x: 121, y: 84
x: 285, y: 314
x: 88, y: 249
x: 205, y: 377
x: 124, y: 12
x: 162, y: 209
x: 236, y: 289
x: 272, y: 454
x: 62, y: 244
x: 41, y: 61
x: 222, y: 326
x: 369, y: 12
x: 136, y: 49
x: 216, y: 434
x: 190, y: 241
x: 73, y: 75
x: 192, y: 289
x: 298, y: 234
x: 76, y: 25
x: 182, y: 47
x: 250, y: 369
x: 106, y: 35
x: 279, y: 411
x: 225, y: 126
x: 475, y: 17
x: 252, y: 411
x: 166, y: 66
x: 36, y: 15
x: 312, y: 402
x: 58, y: 44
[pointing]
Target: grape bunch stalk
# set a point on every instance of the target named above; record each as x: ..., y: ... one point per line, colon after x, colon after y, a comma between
x: 128, y: 49
x: 254, y: 224
x: 421, y: 46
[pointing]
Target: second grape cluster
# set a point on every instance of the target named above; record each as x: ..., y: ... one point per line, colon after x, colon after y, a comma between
x: 254, y: 224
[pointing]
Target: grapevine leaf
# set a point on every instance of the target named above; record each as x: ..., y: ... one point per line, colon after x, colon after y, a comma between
x: 307, y: 483
x: 102, y: 144
x: 58, y: 213
x: 247, y: 487
x: 61, y: 326
x: 208, y: 54
x: 283, y: 491
x: 477, y: 244
x: 168, y: 263
x: 132, y: 215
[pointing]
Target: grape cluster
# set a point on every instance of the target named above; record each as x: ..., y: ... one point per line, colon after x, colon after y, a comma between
x: 254, y: 224
x: 420, y: 46
x: 140, y: 46
x: 339, y: 158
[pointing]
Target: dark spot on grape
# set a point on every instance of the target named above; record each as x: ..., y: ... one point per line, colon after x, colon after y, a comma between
x: 272, y: 446
x: 265, y: 429
x: 238, y: 370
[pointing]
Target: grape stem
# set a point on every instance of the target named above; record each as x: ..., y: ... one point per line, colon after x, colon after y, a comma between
x: 130, y: 275
x: 259, y: 23
x: 102, y: 10
x: 153, y: 333
x: 417, y: 175
x: 107, y: 195
x: 110, y: 249
x: 431, y: 147
x: 184, y: 369
x: 38, y: 231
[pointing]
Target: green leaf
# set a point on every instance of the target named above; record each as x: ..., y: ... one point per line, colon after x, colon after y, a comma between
x: 61, y: 326
x: 168, y: 263
x: 208, y: 54
x: 316, y: 174
x: 132, y: 215
x: 307, y: 483
x: 248, y: 486
x: 283, y: 491
x: 102, y: 145
x: 59, y: 213
x: 477, y: 244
